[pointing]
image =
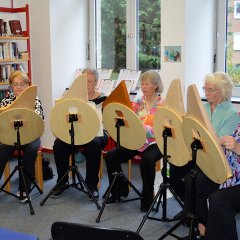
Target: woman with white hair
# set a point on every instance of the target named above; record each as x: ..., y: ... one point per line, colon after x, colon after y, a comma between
x: 224, y: 118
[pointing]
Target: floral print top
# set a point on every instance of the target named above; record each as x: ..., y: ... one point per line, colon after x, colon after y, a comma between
x: 146, y: 117
x: 234, y: 162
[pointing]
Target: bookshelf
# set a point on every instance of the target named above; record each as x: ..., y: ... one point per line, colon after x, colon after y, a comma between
x: 14, y: 49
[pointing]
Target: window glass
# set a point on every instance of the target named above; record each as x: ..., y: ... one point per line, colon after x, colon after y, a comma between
x: 233, y: 41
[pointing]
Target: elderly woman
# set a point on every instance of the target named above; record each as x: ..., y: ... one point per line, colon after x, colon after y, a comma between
x: 92, y: 150
x: 222, y: 114
x: 224, y: 117
x: 144, y: 107
x: 18, y: 82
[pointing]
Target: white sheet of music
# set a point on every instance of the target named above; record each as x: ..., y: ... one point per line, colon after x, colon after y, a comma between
x: 129, y: 84
x: 98, y: 109
x: 106, y: 86
x: 133, y: 75
x: 102, y: 75
x: 122, y: 76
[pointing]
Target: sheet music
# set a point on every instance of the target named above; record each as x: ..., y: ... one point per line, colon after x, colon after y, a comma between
x: 106, y: 86
x: 98, y: 109
x: 122, y: 76
x: 104, y: 73
x: 129, y: 84
x: 133, y: 75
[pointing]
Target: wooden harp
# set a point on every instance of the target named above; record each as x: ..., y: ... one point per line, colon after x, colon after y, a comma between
x: 119, y: 95
x: 25, y: 100
x: 170, y: 117
x: 78, y: 90
x: 197, y: 126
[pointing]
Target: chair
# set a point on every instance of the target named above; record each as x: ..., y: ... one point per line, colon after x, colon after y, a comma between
x: 38, y: 170
x: 76, y: 231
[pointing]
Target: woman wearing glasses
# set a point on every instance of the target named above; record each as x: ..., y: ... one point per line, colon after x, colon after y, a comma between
x: 224, y: 117
x: 18, y: 82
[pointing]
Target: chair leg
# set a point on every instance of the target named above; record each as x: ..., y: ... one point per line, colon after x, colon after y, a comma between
x: 158, y: 166
x: 100, y: 174
x: 6, y: 175
x: 38, y: 170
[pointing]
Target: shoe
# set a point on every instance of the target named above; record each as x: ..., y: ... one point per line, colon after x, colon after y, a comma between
x: 197, y: 236
x: 59, y: 190
x: 179, y: 215
x: 145, y: 206
x: 95, y: 194
x: 24, y: 198
x: 112, y: 199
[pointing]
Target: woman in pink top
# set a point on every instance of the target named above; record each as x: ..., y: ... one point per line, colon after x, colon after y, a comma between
x: 145, y: 108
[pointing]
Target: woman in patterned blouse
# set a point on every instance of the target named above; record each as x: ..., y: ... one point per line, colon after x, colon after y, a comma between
x: 224, y: 200
x: 18, y: 82
x: 145, y: 107
x: 224, y: 203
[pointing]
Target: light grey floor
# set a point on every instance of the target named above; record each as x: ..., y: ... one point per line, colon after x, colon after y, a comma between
x: 74, y: 206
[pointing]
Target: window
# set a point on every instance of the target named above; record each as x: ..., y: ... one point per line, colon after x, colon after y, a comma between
x: 233, y: 41
x: 128, y: 34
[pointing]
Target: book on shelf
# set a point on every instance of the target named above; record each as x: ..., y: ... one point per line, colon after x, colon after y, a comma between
x: 1, y: 27
x: 15, y: 27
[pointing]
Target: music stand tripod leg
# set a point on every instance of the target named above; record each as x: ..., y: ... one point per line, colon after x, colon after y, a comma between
x: 148, y: 212
x: 81, y: 181
x: 55, y: 187
x: 106, y: 194
x: 196, y: 144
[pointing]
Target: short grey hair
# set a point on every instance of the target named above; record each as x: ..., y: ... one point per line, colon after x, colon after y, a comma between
x: 223, y: 81
x: 91, y: 71
x: 154, y: 78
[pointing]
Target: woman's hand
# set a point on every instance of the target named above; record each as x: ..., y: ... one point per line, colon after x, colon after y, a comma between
x: 230, y: 143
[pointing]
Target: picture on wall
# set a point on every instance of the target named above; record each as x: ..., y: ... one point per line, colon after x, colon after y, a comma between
x: 237, y: 10
x: 172, y: 53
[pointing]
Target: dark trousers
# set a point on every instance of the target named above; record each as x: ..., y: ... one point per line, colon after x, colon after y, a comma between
x: 176, y: 178
x: 149, y: 157
x: 28, y: 159
x: 197, y: 193
x: 224, y: 204
x: 92, y: 152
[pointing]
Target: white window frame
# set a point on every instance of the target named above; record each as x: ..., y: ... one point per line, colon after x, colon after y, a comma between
x: 221, y: 45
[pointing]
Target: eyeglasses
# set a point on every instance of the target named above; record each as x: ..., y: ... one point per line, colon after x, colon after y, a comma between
x: 21, y: 85
x: 210, y: 90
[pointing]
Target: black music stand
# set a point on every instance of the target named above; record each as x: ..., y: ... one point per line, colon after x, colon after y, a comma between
x: 211, y: 161
x: 79, y: 116
x: 195, y: 146
x: 119, y: 117
x: 167, y: 129
x: 161, y: 195
x: 24, y: 121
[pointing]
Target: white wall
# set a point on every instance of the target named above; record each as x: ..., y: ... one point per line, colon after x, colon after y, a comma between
x: 190, y: 24
x: 58, y: 41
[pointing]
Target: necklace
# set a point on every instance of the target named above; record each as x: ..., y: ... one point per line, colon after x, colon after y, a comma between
x: 92, y: 95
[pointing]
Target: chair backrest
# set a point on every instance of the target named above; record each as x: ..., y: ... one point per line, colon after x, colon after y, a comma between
x: 76, y: 231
